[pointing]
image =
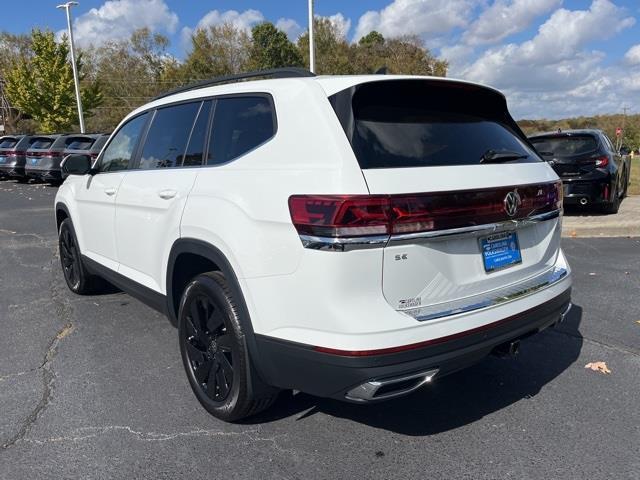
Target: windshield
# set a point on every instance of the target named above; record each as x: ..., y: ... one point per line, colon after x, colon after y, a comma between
x: 565, y: 146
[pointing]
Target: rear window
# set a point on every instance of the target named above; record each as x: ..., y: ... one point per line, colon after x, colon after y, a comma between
x: 409, y: 123
x: 565, y: 146
x: 79, y: 143
x: 8, y: 142
x: 41, y: 143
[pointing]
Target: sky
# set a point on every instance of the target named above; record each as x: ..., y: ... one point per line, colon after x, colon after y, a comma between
x: 551, y: 58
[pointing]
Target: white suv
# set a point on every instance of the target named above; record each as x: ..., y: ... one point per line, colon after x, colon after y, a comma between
x: 351, y: 237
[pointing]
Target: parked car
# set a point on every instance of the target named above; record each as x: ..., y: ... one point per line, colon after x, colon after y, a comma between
x: 84, y: 144
x: 592, y: 171
x: 42, y: 157
x: 350, y: 237
x: 12, y: 155
x: 46, y: 153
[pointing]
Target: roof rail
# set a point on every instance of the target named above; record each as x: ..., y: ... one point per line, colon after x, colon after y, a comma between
x: 289, y: 72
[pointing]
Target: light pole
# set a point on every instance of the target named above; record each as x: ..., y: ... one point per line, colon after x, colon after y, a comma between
x: 67, y: 6
x: 312, y: 47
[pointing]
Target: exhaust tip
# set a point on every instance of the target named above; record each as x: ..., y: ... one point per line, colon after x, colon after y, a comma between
x: 583, y: 201
x: 507, y: 349
x: 391, y: 387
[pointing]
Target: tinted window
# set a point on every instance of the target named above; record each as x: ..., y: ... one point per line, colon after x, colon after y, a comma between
x: 119, y: 151
x: 8, y: 142
x: 41, y: 143
x: 168, y: 136
x: 565, y: 146
x: 79, y: 143
x: 195, y: 150
x: 240, y: 124
x: 409, y: 123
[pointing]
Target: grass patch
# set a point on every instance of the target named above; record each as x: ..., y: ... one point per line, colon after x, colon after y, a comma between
x: 634, y: 188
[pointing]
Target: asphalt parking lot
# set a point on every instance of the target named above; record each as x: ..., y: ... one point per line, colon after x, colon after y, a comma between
x: 93, y: 387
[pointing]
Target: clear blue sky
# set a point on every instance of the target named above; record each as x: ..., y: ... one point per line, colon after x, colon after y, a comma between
x: 552, y: 59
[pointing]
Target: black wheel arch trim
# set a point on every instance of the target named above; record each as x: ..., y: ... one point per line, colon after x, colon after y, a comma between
x: 63, y: 207
x: 213, y: 254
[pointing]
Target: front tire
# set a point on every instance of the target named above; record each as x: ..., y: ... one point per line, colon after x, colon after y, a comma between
x: 214, y: 351
x: 75, y: 274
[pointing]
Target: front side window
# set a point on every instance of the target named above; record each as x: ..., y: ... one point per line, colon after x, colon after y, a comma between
x: 168, y: 135
x: 240, y: 124
x: 120, y: 150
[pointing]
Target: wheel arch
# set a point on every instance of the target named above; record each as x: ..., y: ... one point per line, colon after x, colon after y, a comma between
x: 190, y: 257
x: 62, y: 213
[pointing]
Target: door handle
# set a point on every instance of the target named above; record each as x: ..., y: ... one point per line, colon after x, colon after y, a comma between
x: 167, y: 194
x: 110, y: 191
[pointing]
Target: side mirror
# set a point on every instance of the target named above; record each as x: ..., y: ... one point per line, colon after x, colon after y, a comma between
x: 75, y: 165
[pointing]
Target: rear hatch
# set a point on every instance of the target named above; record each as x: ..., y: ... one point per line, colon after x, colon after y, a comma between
x: 7, y: 145
x: 474, y: 209
x: 39, y: 154
x: 570, y: 155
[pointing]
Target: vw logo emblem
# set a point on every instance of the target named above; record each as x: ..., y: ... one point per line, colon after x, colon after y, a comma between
x: 511, y: 203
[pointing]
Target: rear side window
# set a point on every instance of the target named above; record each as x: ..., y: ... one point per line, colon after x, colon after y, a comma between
x: 41, y: 143
x: 168, y: 136
x: 79, y: 143
x: 565, y: 146
x: 240, y: 124
x: 118, y: 153
x: 413, y: 123
x: 8, y: 142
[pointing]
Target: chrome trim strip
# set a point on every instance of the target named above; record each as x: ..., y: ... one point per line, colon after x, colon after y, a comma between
x: 476, y: 230
x: 489, y: 299
x: 377, y: 241
x: 343, y: 244
x: 367, y: 391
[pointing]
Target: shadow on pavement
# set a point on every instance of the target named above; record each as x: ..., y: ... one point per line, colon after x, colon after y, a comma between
x: 458, y: 399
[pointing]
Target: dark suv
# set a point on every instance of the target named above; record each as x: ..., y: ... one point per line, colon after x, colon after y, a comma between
x: 12, y: 155
x: 592, y: 171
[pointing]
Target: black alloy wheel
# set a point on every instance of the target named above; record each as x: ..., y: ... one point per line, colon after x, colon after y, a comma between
x: 208, y: 346
x: 214, y: 351
x: 70, y: 259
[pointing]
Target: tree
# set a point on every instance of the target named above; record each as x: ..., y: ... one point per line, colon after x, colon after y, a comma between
x: 13, y: 48
x: 132, y: 72
x: 215, y: 51
x: 270, y: 48
x: 42, y: 85
x: 333, y: 55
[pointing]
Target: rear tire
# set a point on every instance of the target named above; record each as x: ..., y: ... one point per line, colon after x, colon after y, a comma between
x: 611, y: 208
x: 214, y: 351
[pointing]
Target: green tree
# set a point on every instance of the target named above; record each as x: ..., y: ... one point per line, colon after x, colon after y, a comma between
x: 13, y: 48
x: 132, y: 72
x: 333, y: 54
x: 215, y: 51
x: 41, y: 85
x: 270, y: 48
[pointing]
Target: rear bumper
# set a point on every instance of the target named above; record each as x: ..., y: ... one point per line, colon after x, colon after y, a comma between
x: 586, y: 191
x: 292, y: 365
x: 12, y: 171
x: 48, y: 174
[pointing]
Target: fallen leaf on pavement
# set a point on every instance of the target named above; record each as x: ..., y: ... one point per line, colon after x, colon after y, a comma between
x: 598, y: 367
x: 573, y: 233
x: 592, y: 274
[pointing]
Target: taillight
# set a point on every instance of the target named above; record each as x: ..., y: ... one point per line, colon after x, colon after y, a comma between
x: 16, y: 154
x: 365, y: 215
x: 602, y: 162
x: 340, y: 215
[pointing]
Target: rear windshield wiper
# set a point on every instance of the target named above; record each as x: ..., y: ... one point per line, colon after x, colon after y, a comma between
x: 491, y: 156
